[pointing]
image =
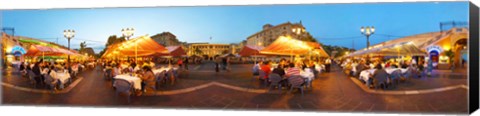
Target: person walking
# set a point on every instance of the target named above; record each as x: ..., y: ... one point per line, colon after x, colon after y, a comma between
x: 186, y: 63
x: 217, y: 63
x: 328, y: 62
x: 429, y: 67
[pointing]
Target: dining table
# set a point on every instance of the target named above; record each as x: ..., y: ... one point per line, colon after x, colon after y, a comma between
x: 62, y: 76
x: 133, y: 79
x: 365, y: 74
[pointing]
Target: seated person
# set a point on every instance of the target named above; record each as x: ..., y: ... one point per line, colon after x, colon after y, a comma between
x: 380, y: 75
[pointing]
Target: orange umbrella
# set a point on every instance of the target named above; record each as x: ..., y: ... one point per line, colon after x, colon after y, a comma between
x: 174, y: 51
x: 289, y: 46
x: 250, y: 50
x: 39, y: 50
x: 141, y: 46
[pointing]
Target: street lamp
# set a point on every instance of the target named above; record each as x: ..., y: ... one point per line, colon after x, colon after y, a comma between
x: 128, y: 32
x: 69, y: 34
x: 367, y: 31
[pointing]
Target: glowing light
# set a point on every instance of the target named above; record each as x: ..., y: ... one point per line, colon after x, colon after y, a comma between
x: 446, y: 47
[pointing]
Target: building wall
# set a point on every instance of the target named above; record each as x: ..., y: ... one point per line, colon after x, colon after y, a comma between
x: 270, y: 33
x: 210, y: 49
x: 166, y: 39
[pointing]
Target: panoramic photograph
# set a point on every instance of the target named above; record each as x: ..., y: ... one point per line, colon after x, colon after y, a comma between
x: 359, y: 57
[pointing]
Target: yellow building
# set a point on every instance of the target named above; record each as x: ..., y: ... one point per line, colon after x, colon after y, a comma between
x: 270, y: 33
x: 209, y: 51
x: 435, y: 44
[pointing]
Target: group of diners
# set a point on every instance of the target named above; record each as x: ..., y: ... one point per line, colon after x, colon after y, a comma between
x: 52, y: 75
x: 384, y: 73
x: 285, y: 73
x: 138, y: 76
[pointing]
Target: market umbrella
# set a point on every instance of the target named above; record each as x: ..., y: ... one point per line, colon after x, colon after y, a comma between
x: 249, y: 50
x: 141, y: 46
x: 286, y: 45
x: 400, y: 49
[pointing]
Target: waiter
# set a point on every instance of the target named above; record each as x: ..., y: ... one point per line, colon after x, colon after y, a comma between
x: 328, y: 61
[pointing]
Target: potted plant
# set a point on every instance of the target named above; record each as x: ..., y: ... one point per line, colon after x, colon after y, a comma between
x: 450, y: 55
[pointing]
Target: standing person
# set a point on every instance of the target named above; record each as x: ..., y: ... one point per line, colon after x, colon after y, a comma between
x: 266, y: 68
x: 179, y: 63
x: 217, y: 67
x: 429, y: 68
x: 227, y: 64
x: 224, y: 63
x: 186, y: 63
x: 328, y: 62
x: 37, y: 71
x: 133, y: 64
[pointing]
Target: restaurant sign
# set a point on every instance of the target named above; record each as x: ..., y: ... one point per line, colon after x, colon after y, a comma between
x: 18, y: 51
x: 438, y: 49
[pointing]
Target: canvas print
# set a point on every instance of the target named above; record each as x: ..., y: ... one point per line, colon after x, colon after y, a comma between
x: 362, y: 57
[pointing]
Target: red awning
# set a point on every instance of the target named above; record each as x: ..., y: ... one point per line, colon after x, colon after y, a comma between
x: 39, y: 50
x: 174, y: 51
x: 250, y: 50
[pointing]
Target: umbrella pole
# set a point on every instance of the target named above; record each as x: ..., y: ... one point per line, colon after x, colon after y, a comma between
x: 136, y: 55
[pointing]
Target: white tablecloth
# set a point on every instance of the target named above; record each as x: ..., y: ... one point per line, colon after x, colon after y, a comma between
x: 91, y: 64
x: 159, y: 70
x: 62, y: 77
x: 365, y: 74
x: 390, y: 70
x: 137, y: 82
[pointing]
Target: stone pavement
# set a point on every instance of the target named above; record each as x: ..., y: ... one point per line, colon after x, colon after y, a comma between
x: 236, y: 90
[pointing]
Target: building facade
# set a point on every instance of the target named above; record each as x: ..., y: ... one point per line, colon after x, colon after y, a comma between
x: 270, y: 33
x: 209, y: 51
x: 166, y: 39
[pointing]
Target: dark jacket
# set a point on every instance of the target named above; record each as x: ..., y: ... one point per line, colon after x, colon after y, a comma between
x: 279, y: 71
x: 36, y: 69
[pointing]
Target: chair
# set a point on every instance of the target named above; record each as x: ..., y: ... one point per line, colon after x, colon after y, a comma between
x: 261, y: 76
x: 50, y: 82
x: 160, y: 78
x: 395, y: 76
x: 408, y: 74
x: 123, y: 86
x: 380, y: 78
x: 296, y: 82
x: 31, y: 77
x: 108, y: 74
x: 170, y: 76
x: 275, y: 81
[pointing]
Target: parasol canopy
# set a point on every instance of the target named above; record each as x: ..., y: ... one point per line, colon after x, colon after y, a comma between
x: 289, y: 46
x: 249, y: 50
x: 39, y: 50
x: 141, y: 46
x: 400, y: 49
x: 174, y: 51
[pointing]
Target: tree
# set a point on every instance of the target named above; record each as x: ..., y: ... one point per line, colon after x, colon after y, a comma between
x: 451, y: 56
x: 113, y: 39
x: 309, y: 38
x: 83, y: 45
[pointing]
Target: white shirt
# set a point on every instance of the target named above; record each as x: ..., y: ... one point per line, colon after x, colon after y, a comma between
x: 308, y: 73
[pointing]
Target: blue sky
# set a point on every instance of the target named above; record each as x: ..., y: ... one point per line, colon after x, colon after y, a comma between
x: 333, y: 24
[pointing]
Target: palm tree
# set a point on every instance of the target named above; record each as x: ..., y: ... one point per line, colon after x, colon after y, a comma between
x: 451, y: 56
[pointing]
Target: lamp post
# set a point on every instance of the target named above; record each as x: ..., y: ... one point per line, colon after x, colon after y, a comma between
x: 127, y: 33
x: 367, y: 31
x: 69, y: 34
